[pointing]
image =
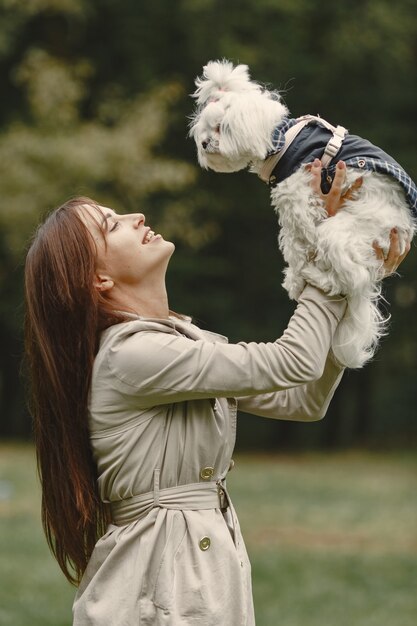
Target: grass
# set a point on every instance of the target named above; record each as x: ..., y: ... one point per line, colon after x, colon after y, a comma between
x: 332, y: 540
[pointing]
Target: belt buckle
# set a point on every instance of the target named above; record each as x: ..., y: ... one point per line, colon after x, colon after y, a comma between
x: 222, y: 495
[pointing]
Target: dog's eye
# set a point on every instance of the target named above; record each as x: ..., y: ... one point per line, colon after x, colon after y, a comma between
x: 217, y: 129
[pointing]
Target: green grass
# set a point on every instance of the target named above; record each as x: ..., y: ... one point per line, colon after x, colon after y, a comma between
x: 33, y: 592
x: 332, y: 540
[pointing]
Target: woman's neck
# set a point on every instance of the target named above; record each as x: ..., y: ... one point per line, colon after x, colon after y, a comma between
x: 146, y: 303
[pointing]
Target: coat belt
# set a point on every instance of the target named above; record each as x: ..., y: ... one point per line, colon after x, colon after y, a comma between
x: 192, y: 496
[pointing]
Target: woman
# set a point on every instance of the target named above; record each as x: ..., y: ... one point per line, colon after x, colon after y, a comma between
x: 135, y: 417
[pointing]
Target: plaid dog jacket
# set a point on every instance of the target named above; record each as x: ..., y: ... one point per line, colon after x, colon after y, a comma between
x: 310, y: 143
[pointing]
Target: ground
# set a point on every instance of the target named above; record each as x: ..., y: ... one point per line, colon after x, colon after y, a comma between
x: 332, y: 540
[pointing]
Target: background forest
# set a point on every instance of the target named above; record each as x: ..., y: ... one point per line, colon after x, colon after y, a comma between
x: 95, y: 100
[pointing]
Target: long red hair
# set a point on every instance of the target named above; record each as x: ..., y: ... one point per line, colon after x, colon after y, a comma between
x: 65, y: 314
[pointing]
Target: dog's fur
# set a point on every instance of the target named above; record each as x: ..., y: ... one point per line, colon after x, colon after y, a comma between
x: 233, y: 127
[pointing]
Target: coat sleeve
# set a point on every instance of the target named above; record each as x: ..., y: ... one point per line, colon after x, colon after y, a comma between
x: 308, y: 402
x: 162, y: 368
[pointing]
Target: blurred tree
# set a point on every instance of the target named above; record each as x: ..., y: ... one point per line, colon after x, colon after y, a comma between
x: 94, y: 101
x: 54, y: 150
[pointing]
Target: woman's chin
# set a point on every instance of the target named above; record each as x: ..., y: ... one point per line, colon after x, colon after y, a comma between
x: 168, y: 245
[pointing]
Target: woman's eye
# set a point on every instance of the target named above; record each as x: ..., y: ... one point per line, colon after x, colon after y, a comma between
x: 115, y: 225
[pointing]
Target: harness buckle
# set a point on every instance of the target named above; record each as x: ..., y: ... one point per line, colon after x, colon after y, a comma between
x: 333, y: 145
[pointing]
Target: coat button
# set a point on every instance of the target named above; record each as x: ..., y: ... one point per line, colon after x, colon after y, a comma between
x: 204, y: 543
x: 207, y: 473
x: 361, y: 163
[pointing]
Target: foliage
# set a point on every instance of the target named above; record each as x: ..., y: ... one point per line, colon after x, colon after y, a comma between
x: 95, y: 102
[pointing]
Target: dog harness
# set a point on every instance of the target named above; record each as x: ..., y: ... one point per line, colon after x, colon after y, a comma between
x: 299, y: 141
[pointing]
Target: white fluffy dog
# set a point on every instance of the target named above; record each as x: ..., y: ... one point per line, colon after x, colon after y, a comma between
x: 238, y: 123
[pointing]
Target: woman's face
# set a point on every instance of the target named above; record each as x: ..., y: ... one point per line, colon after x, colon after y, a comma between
x: 130, y: 253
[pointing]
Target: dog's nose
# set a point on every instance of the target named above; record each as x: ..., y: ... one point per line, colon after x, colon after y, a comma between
x: 204, y: 144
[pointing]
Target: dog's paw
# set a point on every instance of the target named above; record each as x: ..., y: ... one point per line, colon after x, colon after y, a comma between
x: 293, y: 283
x: 327, y: 281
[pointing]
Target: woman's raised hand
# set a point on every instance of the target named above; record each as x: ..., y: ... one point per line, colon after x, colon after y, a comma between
x: 394, y: 258
x: 333, y: 202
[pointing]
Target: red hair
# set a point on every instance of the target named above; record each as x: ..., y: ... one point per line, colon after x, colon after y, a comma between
x: 65, y: 314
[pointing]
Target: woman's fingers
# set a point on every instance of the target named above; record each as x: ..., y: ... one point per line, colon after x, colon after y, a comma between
x: 394, y: 251
x: 394, y: 258
x: 333, y: 201
x: 406, y: 251
x: 350, y: 193
x: 316, y: 176
x: 378, y: 252
x: 334, y: 196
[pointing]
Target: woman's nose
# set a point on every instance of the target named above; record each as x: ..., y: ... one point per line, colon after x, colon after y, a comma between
x: 138, y: 219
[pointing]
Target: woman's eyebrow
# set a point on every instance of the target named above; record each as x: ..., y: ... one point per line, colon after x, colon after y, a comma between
x: 105, y: 218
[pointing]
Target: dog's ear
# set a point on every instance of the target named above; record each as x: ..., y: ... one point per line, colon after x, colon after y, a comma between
x: 247, y: 125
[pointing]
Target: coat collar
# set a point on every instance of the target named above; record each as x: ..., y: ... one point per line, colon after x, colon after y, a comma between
x: 174, y: 325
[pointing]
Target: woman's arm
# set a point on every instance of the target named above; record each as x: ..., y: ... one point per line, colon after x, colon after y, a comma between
x: 159, y: 367
x: 305, y: 403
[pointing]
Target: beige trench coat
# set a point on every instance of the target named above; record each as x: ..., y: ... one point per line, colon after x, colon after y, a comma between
x: 163, y: 405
